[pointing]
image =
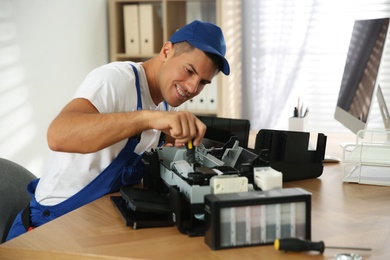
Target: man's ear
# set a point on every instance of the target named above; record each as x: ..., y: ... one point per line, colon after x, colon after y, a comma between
x: 166, y: 51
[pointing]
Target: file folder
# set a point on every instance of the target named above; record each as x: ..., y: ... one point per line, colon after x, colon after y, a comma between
x: 131, y: 29
x: 150, y: 29
x: 206, y: 100
x: 200, y: 100
x: 212, y: 95
x: 192, y: 104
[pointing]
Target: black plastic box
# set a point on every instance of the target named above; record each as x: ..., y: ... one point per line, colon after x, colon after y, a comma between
x: 257, y: 217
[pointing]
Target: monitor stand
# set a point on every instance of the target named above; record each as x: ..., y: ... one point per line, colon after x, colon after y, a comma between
x: 331, y: 159
x: 384, y: 111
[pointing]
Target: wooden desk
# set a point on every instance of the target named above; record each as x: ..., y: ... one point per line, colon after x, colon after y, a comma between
x: 343, y: 214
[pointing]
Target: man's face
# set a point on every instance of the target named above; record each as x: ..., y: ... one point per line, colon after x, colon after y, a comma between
x: 184, y: 76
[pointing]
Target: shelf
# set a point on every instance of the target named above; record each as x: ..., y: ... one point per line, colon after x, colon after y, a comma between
x: 138, y: 57
x: 171, y: 15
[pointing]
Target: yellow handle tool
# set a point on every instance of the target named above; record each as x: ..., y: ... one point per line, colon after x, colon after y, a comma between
x: 190, y: 152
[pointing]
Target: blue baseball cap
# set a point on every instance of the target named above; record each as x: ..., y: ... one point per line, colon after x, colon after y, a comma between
x: 206, y: 37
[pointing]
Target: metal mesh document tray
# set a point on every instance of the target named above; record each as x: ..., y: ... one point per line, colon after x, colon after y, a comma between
x: 368, y: 160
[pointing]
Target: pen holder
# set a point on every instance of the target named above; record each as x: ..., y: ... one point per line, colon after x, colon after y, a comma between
x: 298, y: 124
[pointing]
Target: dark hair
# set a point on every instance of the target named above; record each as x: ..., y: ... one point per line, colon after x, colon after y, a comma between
x: 216, y: 59
x: 183, y: 47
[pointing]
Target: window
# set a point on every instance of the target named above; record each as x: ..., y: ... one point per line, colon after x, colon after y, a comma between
x: 297, y: 50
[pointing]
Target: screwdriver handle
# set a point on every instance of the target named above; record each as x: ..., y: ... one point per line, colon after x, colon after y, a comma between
x: 298, y: 245
x: 190, y: 152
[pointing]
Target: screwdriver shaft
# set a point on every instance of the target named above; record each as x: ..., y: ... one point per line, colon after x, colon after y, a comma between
x: 349, y: 248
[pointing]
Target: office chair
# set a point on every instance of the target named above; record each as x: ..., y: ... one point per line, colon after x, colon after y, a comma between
x: 13, y: 194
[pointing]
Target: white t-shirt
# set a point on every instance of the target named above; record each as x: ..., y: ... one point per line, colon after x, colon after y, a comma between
x: 110, y: 88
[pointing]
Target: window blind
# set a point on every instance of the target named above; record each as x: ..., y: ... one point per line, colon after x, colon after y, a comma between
x: 297, y: 50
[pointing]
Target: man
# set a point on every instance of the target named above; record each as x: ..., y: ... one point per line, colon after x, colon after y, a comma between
x: 118, y: 112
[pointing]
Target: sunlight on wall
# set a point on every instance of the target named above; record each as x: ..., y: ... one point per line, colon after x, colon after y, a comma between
x: 231, y: 91
x: 16, y: 120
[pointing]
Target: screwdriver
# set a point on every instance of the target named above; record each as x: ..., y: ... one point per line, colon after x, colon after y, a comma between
x: 190, y: 152
x: 299, y: 245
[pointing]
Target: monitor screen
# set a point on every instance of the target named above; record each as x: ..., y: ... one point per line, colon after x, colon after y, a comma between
x: 361, y: 73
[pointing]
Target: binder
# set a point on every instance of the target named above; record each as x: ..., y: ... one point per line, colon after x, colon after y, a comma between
x: 206, y: 100
x: 212, y: 96
x: 131, y: 29
x: 200, y: 100
x: 191, y: 104
x: 150, y: 29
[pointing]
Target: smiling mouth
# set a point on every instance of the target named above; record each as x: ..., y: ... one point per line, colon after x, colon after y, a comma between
x: 181, y: 93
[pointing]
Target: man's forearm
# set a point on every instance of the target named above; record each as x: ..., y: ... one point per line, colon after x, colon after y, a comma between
x: 89, y: 132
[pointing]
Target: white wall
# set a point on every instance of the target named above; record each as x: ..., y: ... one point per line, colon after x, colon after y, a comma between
x: 46, y: 49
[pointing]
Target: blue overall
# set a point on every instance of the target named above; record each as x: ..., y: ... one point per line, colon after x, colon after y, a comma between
x: 125, y: 169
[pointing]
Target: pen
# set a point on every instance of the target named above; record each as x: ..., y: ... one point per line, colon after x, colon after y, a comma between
x: 295, y: 112
x: 306, y: 112
x: 300, y: 110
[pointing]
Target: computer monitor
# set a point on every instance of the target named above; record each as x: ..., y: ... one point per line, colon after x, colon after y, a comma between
x: 361, y: 73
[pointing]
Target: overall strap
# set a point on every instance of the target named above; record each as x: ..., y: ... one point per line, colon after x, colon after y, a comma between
x: 138, y: 86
